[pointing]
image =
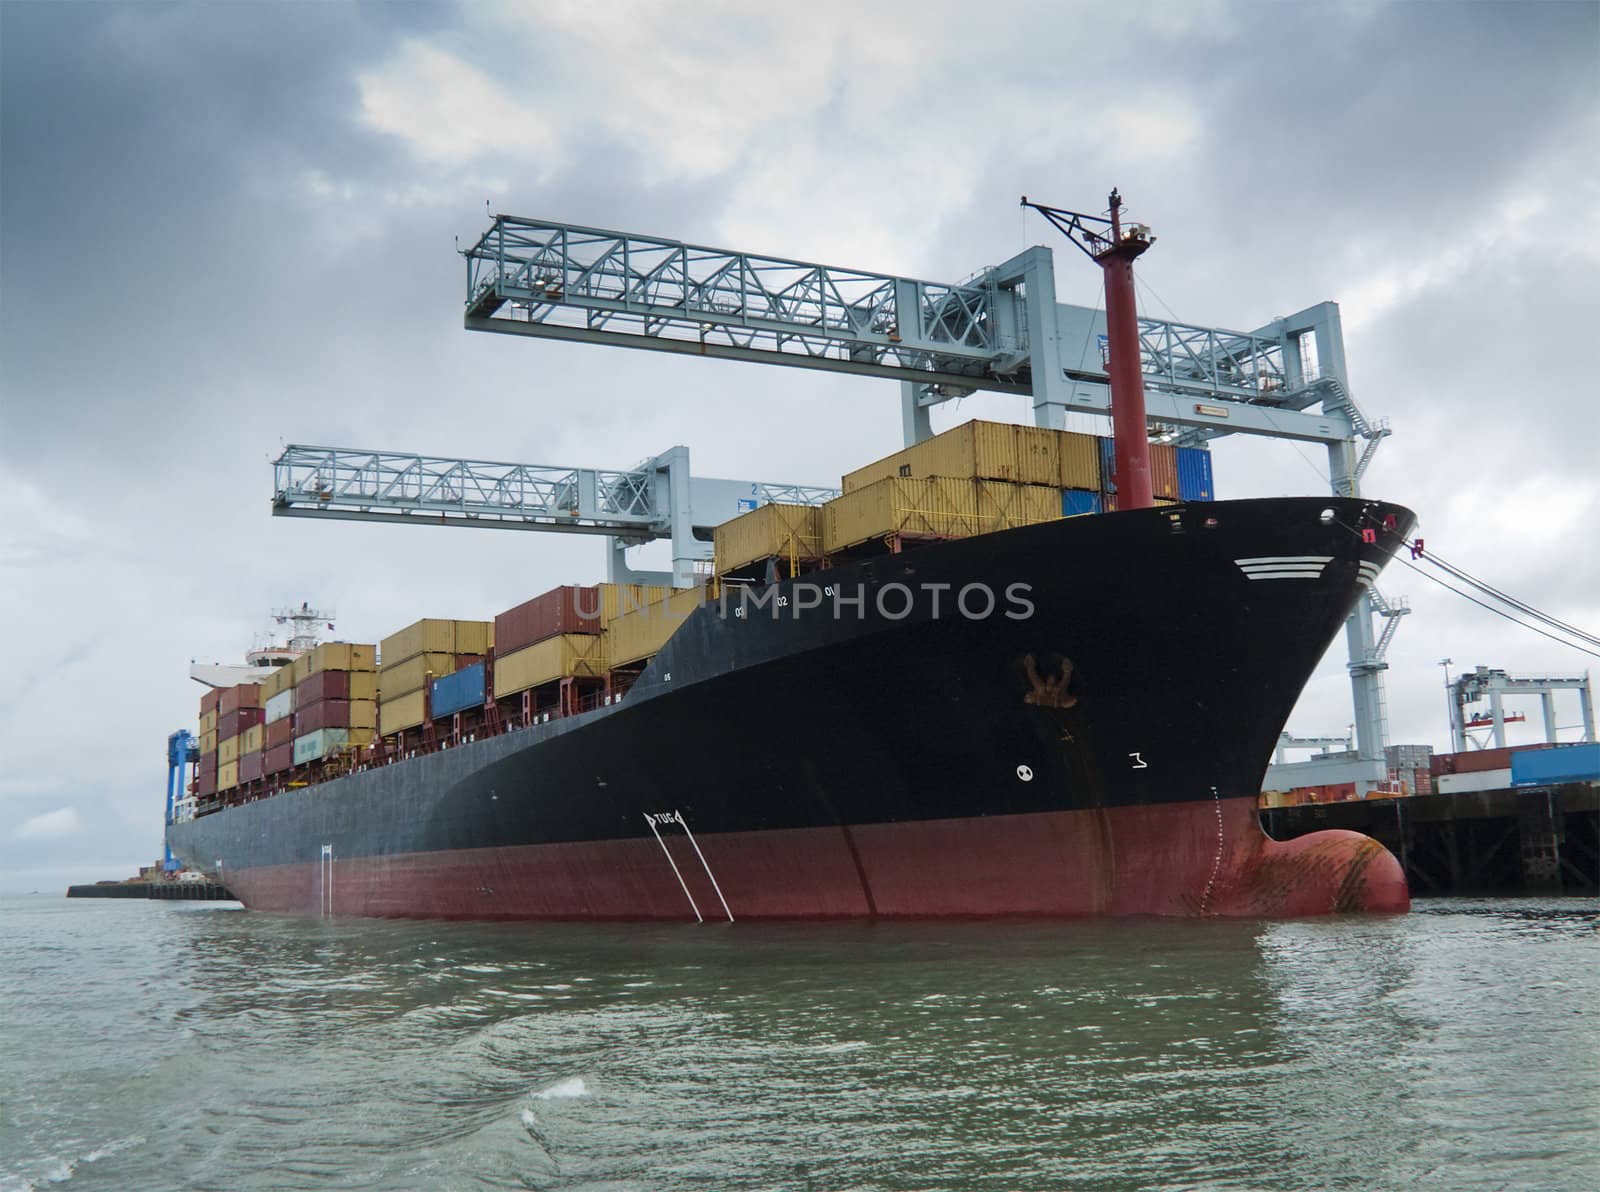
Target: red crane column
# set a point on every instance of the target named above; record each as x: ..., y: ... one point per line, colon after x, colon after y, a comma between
x: 1130, y: 431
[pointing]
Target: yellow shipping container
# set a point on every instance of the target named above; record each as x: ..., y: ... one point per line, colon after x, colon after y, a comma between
x: 784, y: 531
x: 363, y: 685
x: 618, y: 600
x: 427, y: 636
x: 228, y: 750
x: 640, y: 635
x: 208, y: 722
x: 342, y: 656
x: 973, y: 450
x: 251, y: 740
x: 939, y: 507
x: 410, y: 675
x: 1080, y: 461
x: 227, y: 776
x: 279, y: 681
x: 300, y: 670
x: 568, y: 655
x: 473, y: 637
x: 208, y: 741
x: 1003, y: 506
x: 397, y: 715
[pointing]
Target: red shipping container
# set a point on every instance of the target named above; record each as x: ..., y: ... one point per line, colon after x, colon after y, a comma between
x: 231, y: 724
x: 280, y: 732
x: 208, y: 783
x: 278, y: 759
x: 567, y: 609
x: 249, y: 767
x: 328, y: 684
x: 210, y: 700
x: 325, y: 713
x: 245, y: 695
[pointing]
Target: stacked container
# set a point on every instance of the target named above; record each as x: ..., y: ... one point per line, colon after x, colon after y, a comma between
x: 638, y: 636
x: 791, y: 533
x: 416, y: 655
x: 238, y: 711
x: 207, y: 781
x: 334, y: 701
x: 277, y: 752
x: 992, y: 451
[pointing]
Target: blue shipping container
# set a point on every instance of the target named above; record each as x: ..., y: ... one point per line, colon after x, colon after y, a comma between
x: 1564, y: 763
x: 1108, y: 464
x: 1194, y: 475
x: 458, y: 691
x: 1075, y: 501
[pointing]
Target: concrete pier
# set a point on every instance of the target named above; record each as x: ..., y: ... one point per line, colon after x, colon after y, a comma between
x: 1538, y: 840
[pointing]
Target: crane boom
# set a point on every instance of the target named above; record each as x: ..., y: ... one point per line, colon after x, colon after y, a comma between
x: 1001, y: 330
x: 658, y: 499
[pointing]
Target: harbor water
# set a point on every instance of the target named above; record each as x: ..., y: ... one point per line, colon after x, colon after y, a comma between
x: 148, y: 1045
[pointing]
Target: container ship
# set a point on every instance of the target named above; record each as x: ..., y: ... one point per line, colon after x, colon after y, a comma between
x: 970, y: 685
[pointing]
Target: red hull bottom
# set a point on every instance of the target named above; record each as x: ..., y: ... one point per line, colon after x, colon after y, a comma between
x: 1190, y: 859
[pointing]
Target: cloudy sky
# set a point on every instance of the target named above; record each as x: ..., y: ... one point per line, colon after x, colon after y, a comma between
x: 227, y: 227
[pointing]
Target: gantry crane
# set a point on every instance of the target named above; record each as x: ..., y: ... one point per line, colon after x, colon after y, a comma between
x: 1495, y: 686
x: 657, y: 499
x: 1000, y: 330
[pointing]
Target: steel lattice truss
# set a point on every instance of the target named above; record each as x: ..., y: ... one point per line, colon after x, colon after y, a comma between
x: 604, y: 285
x: 395, y: 486
x: 563, y: 281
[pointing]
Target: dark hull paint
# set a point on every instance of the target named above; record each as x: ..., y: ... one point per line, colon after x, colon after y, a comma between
x: 865, y: 764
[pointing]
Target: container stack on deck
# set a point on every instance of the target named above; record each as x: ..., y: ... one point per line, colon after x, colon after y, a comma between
x: 552, y: 656
x: 413, y: 658
x: 335, y: 701
x: 238, y: 711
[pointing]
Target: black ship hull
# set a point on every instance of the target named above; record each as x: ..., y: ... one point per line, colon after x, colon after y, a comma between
x: 1069, y: 718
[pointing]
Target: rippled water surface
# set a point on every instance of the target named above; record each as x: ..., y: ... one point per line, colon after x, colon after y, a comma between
x: 157, y: 1045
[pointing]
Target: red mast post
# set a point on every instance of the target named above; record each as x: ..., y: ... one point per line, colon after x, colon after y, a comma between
x: 1104, y: 241
x: 1130, y: 432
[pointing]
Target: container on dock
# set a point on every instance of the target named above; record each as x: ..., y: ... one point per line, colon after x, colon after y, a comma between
x: 940, y: 507
x: 244, y: 695
x: 459, y: 691
x: 279, y: 732
x: 979, y: 450
x: 227, y: 775
x: 570, y: 655
x: 1563, y: 763
x: 1195, y: 481
x: 278, y: 758
x: 773, y: 530
x: 1075, y: 502
x: 412, y: 674
x: 231, y: 724
x: 251, y: 739
x: 401, y: 713
x: 640, y: 635
x: 1467, y: 781
x: 280, y: 706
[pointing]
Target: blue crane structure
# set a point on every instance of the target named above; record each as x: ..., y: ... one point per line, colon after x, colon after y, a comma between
x: 183, y: 753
